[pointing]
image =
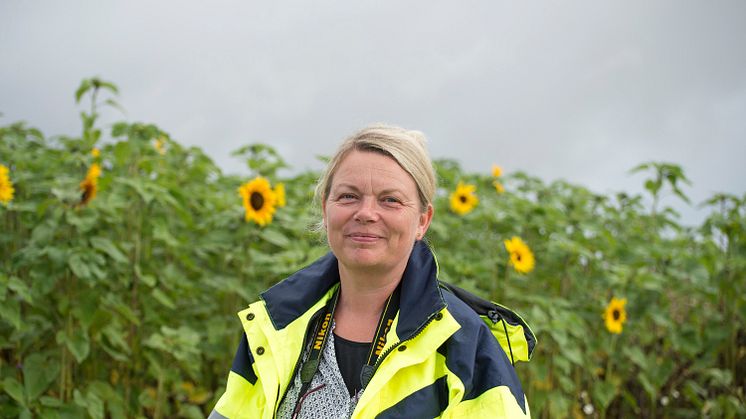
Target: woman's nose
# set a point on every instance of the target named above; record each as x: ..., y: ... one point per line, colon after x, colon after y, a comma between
x: 367, y: 211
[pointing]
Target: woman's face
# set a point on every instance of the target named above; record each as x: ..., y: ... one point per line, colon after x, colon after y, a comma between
x: 372, y: 214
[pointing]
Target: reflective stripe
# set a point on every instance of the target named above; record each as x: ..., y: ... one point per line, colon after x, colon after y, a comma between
x: 497, y: 402
x: 427, y: 402
x: 239, y: 393
x: 215, y: 415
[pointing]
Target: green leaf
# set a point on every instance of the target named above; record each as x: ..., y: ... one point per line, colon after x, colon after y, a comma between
x: 114, y: 104
x: 574, y: 355
x: 161, y: 233
x: 559, y: 404
x: 101, y: 84
x: 139, y: 187
x: 78, y: 266
x: 78, y: 344
x: 648, y: 386
x: 640, y: 167
x: 107, y: 246
x: 50, y: 401
x: 38, y: 375
x: 95, y: 406
x: 14, y: 390
x: 275, y: 237
x: 652, y: 186
x: 162, y: 298
x: 10, y: 310
x: 122, y: 309
x: 149, y: 280
x: 85, y: 85
x: 86, y: 307
x: 20, y: 288
x: 603, y: 393
x: 91, y: 403
x: 636, y: 356
x: 119, y: 129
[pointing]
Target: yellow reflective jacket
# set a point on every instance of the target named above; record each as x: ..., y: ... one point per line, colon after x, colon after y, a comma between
x: 448, y: 353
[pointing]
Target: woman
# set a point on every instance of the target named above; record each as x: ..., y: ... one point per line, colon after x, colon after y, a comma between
x: 367, y: 330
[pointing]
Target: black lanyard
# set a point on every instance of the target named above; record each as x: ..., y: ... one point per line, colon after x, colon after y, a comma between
x: 321, y: 332
x: 384, y: 325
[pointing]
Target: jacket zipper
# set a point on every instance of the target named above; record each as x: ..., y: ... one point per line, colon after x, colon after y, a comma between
x: 394, y: 346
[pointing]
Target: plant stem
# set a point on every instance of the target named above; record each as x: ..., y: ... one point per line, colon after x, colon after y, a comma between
x: 159, y: 397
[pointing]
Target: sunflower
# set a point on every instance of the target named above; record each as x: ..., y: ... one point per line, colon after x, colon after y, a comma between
x: 615, y: 315
x: 94, y: 172
x: 280, y: 194
x: 521, y: 256
x: 89, y: 185
x: 498, y: 187
x: 160, y: 145
x: 6, y: 186
x: 89, y: 188
x: 259, y: 200
x: 463, y: 200
x: 497, y: 171
x: 95, y: 152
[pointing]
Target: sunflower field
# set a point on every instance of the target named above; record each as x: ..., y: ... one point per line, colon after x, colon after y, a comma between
x: 123, y: 263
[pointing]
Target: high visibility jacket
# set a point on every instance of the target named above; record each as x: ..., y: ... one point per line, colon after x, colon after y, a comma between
x: 441, y: 358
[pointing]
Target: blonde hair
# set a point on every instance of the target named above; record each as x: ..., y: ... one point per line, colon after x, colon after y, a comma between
x: 406, y: 147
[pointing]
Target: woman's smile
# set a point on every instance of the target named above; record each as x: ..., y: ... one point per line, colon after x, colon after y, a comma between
x: 364, y: 237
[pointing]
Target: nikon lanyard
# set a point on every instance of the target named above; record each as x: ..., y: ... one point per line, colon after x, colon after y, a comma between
x: 321, y: 333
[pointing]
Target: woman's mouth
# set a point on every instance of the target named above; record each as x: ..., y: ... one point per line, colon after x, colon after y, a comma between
x: 363, y: 237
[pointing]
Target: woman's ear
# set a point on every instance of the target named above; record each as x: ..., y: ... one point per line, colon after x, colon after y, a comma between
x: 424, y: 221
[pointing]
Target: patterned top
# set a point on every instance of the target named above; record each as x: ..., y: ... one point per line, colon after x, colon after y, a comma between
x: 327, y: 396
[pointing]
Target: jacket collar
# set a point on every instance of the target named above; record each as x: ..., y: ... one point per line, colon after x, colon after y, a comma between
x: 420, y: 297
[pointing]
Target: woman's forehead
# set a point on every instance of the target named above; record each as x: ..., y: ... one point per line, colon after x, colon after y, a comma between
x: 360, y: 168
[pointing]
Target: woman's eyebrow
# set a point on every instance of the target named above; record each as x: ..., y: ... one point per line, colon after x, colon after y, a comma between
x: 346, y: 185
x: 356, y: 189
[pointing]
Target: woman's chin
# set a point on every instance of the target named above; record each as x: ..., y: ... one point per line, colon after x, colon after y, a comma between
x: 362, y: 259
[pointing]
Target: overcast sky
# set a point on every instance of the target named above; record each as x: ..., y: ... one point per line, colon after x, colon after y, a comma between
x: 581, y: 91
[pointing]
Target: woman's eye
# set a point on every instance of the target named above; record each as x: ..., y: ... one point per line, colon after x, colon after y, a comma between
x: 390, y: 200
x: 346, y: 196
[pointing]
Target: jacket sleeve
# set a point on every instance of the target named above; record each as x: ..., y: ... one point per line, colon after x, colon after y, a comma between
x: 242, y: 384
x: 482, y: 381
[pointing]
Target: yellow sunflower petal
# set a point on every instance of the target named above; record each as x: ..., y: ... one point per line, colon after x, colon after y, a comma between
x: 497, y: 171
x: 259, y: 200
x: 89, y: 189
x: 521, y: 256
x: 94, y: 172
x: 89, y: 185
x: 463, y: 199
x: 160, y: 145
x: 280, y: 193
x: 6, y: 186
x: 615, y: 315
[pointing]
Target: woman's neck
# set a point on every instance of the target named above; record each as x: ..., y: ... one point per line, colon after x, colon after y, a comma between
x: 361, y: 301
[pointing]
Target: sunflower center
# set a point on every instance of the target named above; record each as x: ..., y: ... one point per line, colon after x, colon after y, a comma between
x: 462, y: 198
x: 256, y: 200
x: 518, y: 257
x: 616, y: 314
